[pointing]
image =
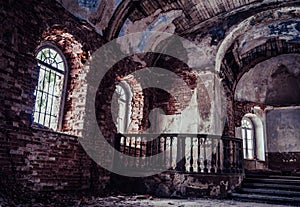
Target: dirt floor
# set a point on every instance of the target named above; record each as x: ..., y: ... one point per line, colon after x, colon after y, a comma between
x: 134, y: 201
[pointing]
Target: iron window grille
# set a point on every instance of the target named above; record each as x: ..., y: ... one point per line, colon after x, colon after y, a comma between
x: 50, y: 90
x: 248, y: 138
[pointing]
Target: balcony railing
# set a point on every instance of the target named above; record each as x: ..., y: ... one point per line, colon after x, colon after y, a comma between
x: 190, y: 153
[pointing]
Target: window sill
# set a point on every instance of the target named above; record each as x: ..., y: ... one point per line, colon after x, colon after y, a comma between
x: 250, y: 159
x: 254, y: 159
x: 39, y: 127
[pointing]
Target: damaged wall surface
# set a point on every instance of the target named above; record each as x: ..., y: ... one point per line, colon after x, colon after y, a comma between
x: 235, y: 59
x: 34, y: 158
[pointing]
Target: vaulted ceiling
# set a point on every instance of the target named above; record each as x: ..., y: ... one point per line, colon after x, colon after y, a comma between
x: 241, y: 33
x: 198, y: 16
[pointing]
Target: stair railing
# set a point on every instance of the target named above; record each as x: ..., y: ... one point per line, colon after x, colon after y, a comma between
x: 189, y: 153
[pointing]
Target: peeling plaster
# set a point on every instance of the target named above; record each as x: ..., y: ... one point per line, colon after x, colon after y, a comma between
x: 157, y: 22
x: 96, y: 12
x: 245, y: 27
x: 262, y: 80
x: 289, y: 28
x: 89, y: 4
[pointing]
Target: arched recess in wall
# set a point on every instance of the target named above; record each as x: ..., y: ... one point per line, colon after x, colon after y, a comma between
x: 239, y: 52
x: 75, y: 57
x: 258, y: 136
x: 106, y: 100
x: 254, y: 40
x: 136, y: 103
x: 232, y: 71
x: 123, y: 108
x: 262, y: 18
x: 50, y: 92
x: 254, y: 57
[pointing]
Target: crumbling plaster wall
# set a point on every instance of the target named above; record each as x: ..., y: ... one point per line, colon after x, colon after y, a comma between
x: 203, y: 108
x: 273, y: 82
x: 240, y: 35
x: 283, y: 129
x: 247, y: 26
x: 96, y: 12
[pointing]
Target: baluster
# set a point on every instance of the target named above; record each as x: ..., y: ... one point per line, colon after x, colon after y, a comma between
x: 117, y: 141
x: 219, y: 158
x: 141, y: 152
x: 237, y: 145
x: 226, y: 156
x: 131, y: 151
x: 158, y: 161
x: 152, y: 153
x: 122, y: 149
x: 241, y: 157
x: 171, y: 151
x: 191, y: 159
x: 199, y: 156
x: 225, y: 165
x: 135, y: 146
x: 180, y: 166
x: 136, y: 152
x: 126, y: 151
x: 212, y: 168
x: 117, y: 147
x: 165, y: 150
x: 183, y: 153
x: 229, y: 152
x: 205, y: 160
x: 233, y: 168
x: 148, y: 149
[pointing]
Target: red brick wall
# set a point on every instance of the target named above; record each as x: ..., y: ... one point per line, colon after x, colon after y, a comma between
x: 35, y: 159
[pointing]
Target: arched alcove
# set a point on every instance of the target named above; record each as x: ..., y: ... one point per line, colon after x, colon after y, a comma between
x: 258, y: 136
x: 122, y: 109
x: 267, y: 94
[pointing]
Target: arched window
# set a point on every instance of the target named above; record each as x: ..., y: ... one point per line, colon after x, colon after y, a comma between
x: 248, y: 138
x: 124, y: 97
x: 50, y: 90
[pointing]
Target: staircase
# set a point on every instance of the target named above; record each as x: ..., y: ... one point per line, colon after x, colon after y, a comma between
x: 273, y: 189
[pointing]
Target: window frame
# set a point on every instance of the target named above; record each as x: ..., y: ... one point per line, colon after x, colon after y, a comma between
x: 53, y: 46
x: 253, y: 138
x: 124, y: 86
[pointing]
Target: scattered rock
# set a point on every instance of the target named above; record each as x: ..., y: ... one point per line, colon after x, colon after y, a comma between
x: 176, y: 194
x: 163, y: 190
x: 142, y: 197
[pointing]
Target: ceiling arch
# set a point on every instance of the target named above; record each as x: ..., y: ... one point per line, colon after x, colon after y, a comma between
x: 118, y: 18
x: 213, y: 17
x: 239, y: 31
x: 231, y: 71
x: 257, y: 38
x: 274, y: 82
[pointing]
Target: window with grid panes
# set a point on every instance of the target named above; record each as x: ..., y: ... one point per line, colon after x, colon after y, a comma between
x: 50, y: 89
x: 248, y: 138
